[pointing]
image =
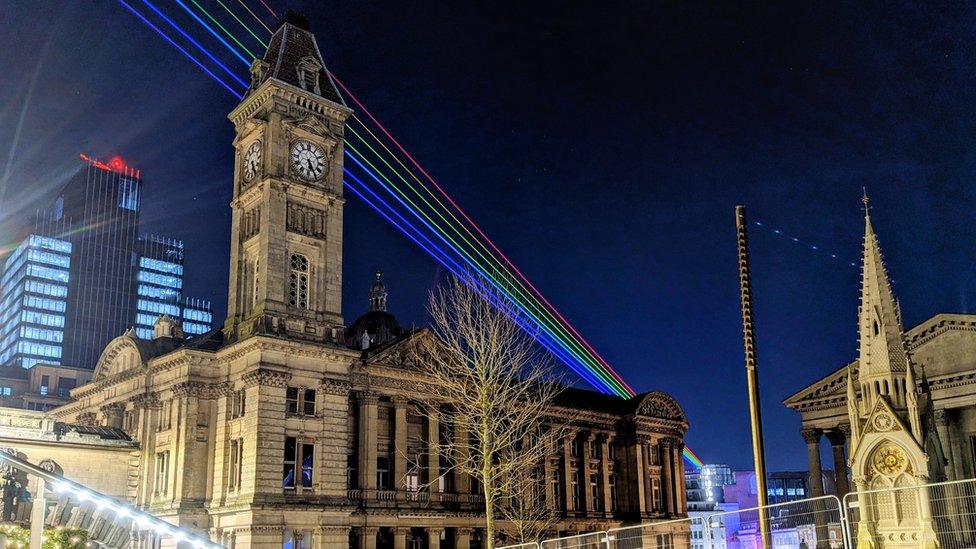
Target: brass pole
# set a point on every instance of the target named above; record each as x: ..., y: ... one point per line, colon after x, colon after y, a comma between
x: 752, y: 373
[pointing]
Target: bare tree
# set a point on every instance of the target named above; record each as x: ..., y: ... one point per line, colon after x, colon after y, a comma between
x: 526, y: 511
x: 497, y: 384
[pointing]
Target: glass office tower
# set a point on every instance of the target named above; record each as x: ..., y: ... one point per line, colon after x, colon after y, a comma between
x: 99, y: 276
x: 33, y: 301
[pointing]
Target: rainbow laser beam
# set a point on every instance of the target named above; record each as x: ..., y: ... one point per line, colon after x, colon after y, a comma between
x: 606, y: 382
x: 416, y: 235
x: 628, y: 390
x: 485, y: 266
x: 489, y: 264
x: 179, y: 47
x: 499, y: 286
x: 687, y: 454
x: 599, y: 364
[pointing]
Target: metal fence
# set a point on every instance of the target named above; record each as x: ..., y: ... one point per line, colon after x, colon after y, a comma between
x: 939, y: 514
x: 37, y: 503
x: 942, y: 512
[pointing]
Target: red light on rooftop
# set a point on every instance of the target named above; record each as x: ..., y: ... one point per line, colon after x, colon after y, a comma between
x: 116, y: 164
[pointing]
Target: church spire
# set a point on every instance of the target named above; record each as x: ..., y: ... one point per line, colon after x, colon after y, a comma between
x: 882, y: 361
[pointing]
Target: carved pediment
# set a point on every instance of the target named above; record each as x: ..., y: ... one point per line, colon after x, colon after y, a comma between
x: 661, y: 405
x: 311, y: 125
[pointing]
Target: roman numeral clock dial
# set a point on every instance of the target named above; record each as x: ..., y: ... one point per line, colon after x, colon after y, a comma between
x: 308, y: 160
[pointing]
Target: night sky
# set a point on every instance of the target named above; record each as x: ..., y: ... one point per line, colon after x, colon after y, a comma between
x: 603, y: 148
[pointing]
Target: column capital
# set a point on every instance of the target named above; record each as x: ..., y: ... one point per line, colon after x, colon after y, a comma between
x: 264, y: 376
x: 811, y: 436
x: 399, y: 401
x: 941, y: 417
x: 147, y: 400
x: 367, y: 397
x: 113, y: 407
x: 836, y: 437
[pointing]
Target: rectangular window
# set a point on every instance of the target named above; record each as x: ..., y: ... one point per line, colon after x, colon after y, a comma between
x: 656, y: 494
x: 45, y: 383
x: 162, y: 473
x: 383, y: 473
x: 236, y: 406
x: 594, y: 492
x: 128, y: 194
x: 6, y: 391
x: 234, y: 466
x: 577, y: 496
x: 352, y: 471
x: 557, y: 490
x: 612, y: 481
x: 298, y: 464
x: 165, y: 415
x: 65, y: 384
x: 575, y: 447
x: 611, y: 452
x: 300, y: 401
x: 594, y: 449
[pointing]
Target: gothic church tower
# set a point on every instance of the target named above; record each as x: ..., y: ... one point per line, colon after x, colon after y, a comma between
x: 886, y: 445
x: 286, y: 235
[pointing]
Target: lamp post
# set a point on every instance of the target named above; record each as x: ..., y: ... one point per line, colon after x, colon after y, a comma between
x: 752, y: 373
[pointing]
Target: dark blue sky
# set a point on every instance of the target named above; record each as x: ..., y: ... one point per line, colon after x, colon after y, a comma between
x: 603, y: 148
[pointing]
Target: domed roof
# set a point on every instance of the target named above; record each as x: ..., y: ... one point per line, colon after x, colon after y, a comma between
x: 380, y: 326
x: 376, y: 326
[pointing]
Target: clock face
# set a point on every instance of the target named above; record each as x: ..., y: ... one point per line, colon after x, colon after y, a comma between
x: 252, y: 161
x: 308, y: 160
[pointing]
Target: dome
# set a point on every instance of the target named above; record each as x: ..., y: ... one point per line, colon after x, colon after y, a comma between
x: 377, y: 326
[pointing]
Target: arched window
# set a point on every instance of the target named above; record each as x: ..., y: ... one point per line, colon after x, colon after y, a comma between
x: 298, y: 282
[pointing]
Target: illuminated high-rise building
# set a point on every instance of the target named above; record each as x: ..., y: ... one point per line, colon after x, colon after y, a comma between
x: 87, y: 276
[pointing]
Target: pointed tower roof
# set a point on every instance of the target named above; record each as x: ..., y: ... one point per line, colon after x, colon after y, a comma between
x: 882, y: 351
x: 293, y: 57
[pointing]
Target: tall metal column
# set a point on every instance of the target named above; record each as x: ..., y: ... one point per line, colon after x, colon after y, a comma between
x: 752, y: 373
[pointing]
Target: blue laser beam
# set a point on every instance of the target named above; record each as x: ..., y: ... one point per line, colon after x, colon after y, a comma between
x: 444, y: 259
x: 200, y: 47
x: 180, y: 48
x: 214, y: 33
x: 472, y: 265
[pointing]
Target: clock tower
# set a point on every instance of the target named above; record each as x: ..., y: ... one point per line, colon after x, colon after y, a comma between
x: 286, y: 232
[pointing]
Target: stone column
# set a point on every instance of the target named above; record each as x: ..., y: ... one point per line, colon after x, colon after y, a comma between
x: 434, y: 538
x: 463, y: 538
x: 606, y: 441
x: 667, y: 476
x: 837, y: 438
x: 568, y: 472
x: 678, y: 478
x: 400, y: 537
x: 331, y: 536
x: 367, y: 445
x: 367, y: 537
x: 586, y: 460
x: 942, y: 427
x: 462, y: 482
x: 400, y: 443
x: 148, y: 405
x: 433, y: 452
x: 647, y: 445
x: 636, y: 460
x: 812, y: 438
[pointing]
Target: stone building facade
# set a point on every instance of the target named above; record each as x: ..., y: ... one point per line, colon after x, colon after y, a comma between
x: 285, y: 429
x: 905, y: 409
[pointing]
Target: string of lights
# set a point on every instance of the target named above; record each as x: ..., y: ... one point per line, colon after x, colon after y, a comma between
x: 553, y: 335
